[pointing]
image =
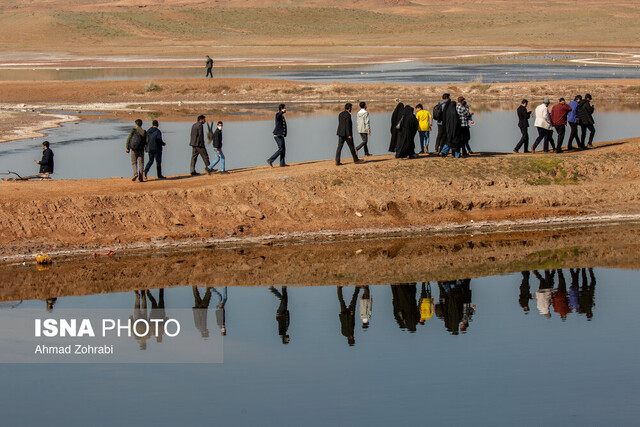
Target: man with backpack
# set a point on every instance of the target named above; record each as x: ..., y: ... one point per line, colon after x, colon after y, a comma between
x: 136, y: 143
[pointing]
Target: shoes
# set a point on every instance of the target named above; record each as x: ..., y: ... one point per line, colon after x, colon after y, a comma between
x: 140, y: 177
x: 338, y: 164
x: 359, y: 161
x: 144, y: 175
x: 207, y: 171
x: 135, y: 177
x: 515, y: 151
x: 162, y: 177
x: 213, y: 171
x: 284, y: 166
x: 413, y: 156
x: 546, y: 151
x: 590, y: 145
x: 224, y: 173
x: 526, y: 151
x: 269, y: 162
x: 571, y: 148
x: 195, y: 174
x: 421, y: 152
x: 368, y: 155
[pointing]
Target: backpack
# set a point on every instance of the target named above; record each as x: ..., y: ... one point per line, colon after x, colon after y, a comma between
x: 437, y: 112
x: 135, y: 143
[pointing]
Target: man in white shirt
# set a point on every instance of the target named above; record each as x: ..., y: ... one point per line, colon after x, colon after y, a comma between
x: 544, y: 125
x: 364, y: 128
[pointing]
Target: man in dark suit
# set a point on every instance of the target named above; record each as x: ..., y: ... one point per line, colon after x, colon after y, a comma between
x: 197, y: 146
x: 46, y: 163
x: 523, y: 124
x: 345, y: 134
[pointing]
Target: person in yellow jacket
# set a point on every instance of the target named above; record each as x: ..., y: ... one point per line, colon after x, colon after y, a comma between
x: 424, y: 127
x: 426, y: 303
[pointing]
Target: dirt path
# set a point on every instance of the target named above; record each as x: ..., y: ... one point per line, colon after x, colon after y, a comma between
x: 315, y: 197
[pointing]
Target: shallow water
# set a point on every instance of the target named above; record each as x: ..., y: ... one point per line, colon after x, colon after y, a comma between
x: 408, y: 73
x: 95, y: 149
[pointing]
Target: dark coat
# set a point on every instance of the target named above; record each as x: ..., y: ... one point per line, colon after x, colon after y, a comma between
x: 345, y: 126
x: 197, y: 135
x: 523, y: 116
x: 155, y: 139
x: 451, y: 123
x: 46, y: 164
x: 217, y: 139
x: 585, y: 112
x: 406, y: 145
x: 395, y: 118
x: 281, y: 125
x: 405, y: 307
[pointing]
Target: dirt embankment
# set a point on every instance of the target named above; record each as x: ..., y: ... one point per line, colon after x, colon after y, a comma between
x: 377, y: 261
x: 314, y: 197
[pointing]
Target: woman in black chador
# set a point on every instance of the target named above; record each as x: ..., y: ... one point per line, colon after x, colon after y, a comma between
x: 406, y: 146
x: 405, y: 307
x: 395, y: 126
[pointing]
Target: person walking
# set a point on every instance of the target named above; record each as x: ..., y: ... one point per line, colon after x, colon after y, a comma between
x: 585, y: 116
x: 46, y: 162
x: 197, y: 146
x: 464, y: 117
x: 396, y: 125
x: 572, y: 119
x: 424, y: 128
x: 209, y: 66
x: 523, y: 124
x: 543, y: 123
x: 155, y: 149
x: 559, y: 114
x: 438, y: 116
x: 217, y: 145
x: 345, y: 134
x: 364, y: 128
x: 136, y: 143
x: 279, y: 134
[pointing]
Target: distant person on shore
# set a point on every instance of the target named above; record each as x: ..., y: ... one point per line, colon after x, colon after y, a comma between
x: 282, y: 313
x: 46, y: 162
x: 544, y: 125
x: 438, y: 114
x: 424, y: 128
x: 585, y: 116
x: 559, y: 114
x: 364, y: 128
x: 396, y: 124
x: 406, y: 145
x: 523, y: 124
x: 345, y: 134
x: 197, y: 146
x: 136, y: 143
x: 209, y: 66
x: 279, y: 134
x: 217, y: 145
x: 155, y: 149
x: 572, y: 119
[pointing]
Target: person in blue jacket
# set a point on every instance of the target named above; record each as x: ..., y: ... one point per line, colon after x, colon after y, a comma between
x: 154, y: 147
x: 572, y: 119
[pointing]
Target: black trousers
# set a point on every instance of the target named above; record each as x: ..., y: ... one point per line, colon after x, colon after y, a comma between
x: 440, y: 138
x: 573, y: 135
x: 524, y: 140
x: 157, y: 156
x: 199, y: 151
x: 349, y: 141
x: 547, y: 135
x: 592, y: 132
x: 365, y: 139
x: 560, y: 129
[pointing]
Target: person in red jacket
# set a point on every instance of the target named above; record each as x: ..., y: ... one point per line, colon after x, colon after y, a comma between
x: 559, y: 114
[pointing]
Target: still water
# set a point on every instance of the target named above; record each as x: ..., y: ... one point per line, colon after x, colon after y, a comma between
x: 407, y: 73
x: 541, y: 347
x: 95, y: 149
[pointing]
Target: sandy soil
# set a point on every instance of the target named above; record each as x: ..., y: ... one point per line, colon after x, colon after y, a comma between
x: 316, y: 198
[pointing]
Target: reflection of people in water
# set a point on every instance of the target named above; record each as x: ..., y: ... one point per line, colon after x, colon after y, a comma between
x: 525, y: 292
x: 348, y: 315
x: 574, y: 301
x: 282, y: 313
x: 426, y: 303
x: 140, y: 313
x: 200, y: 309
x: 405, y: 307
x: 50, y: 302
x: 158, y: 313
x: 561, y: 298
x: 543, y: 294
x: 220, y: 314
x: 455, y: 306
x: 366, y: 307
x: 587, y: 294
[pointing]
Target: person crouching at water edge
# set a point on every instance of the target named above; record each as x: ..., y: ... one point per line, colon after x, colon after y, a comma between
x: 345, y: 134
x: 217, y: 144
x: 136, y: 144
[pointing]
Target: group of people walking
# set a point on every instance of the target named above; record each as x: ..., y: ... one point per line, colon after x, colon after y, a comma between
x: 578, y: 112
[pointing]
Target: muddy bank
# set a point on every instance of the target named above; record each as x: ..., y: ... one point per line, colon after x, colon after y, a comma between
x: 316, y: 197
x: 377, y: 261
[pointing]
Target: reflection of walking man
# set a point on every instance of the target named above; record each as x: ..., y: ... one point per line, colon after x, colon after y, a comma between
x: 366, y: 306
x: 200, y: 308
x: 279, y: 134
x: 345, y: 134
x: 209, y: 66
x: 348, y: 315
x: 197, y: 145
x: 155, y: 149
x: 220, y: 314
x: 282, y: 314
